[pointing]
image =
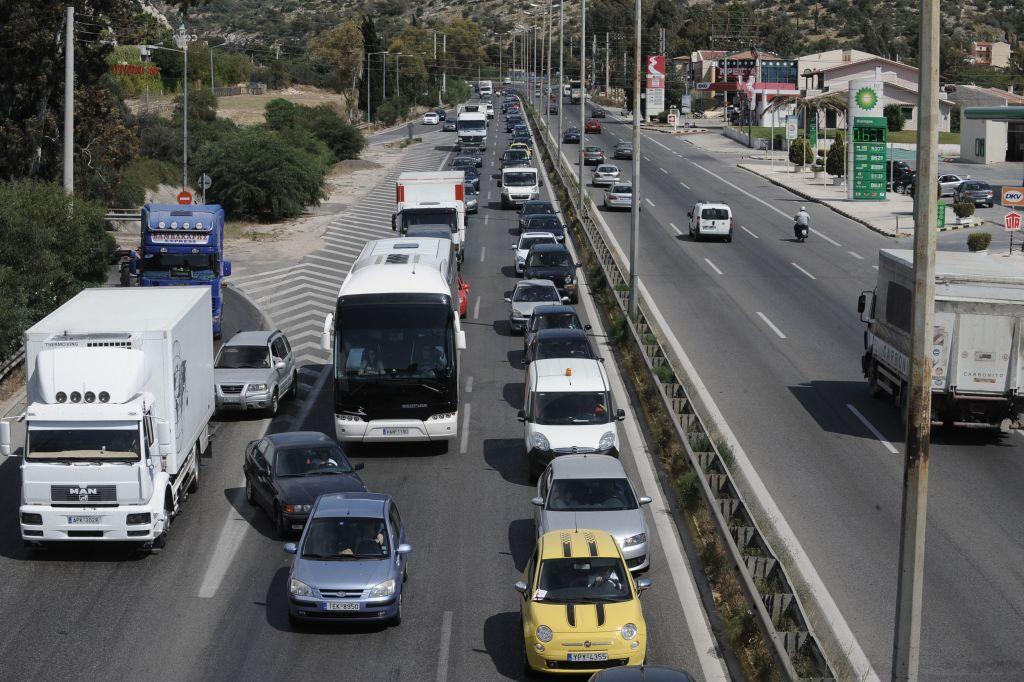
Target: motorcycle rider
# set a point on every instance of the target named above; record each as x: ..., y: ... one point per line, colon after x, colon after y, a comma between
x: 801, y: 223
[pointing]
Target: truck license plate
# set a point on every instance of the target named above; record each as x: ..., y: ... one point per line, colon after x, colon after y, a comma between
x: 72, y: 520
x: 398, y: 431
x: 589, y: 656
x: 341, y: 606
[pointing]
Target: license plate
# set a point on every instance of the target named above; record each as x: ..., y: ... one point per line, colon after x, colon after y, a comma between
x: 588, y: 656
x: 341, y: 606
x: 82, y: 519
x: 399, y: 431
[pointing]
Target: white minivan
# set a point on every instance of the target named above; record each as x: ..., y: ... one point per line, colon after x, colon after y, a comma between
x: 567, y: 409
x: 710, y: 219
x: 519, y: 184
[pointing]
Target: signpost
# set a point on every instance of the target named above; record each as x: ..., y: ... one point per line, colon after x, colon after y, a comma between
x: 867, y: 133
x: 184, y: 198
x: 1012, y: 196
x: 1011, y: 223
x: 792, y: 127
x: 204, y: 184
x: 655, y: 84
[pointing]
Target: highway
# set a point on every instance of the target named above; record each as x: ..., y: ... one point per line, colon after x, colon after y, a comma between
x: 212, y: 605
x: 771, y: 325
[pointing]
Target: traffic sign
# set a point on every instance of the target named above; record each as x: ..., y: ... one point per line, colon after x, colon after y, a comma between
x: 1012, y: 196
x: 184, y: 198
x: 205, y: 181
x: 673, y: 119
x: 1011, y: 221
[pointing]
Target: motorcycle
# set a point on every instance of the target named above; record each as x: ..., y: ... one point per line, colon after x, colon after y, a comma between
x: 800, y: 231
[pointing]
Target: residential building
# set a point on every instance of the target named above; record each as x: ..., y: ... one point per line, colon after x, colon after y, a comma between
x: 702, y: 65
x: 988, y: 141
x: 986, y: 53
x: 819, y: 61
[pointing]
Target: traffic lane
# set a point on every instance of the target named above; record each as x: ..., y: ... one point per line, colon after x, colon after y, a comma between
x: 102, y: 593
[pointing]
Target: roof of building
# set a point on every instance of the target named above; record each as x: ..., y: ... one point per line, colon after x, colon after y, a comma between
x: 749, y: 54
x: 845, y: 87
x: 708, y: 54
x: 1008, y: 97
x: 873, y: 58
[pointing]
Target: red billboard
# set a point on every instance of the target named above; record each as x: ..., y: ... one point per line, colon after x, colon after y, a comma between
x: 655, y: 71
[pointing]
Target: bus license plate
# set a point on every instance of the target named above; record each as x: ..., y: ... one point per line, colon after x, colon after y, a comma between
x: 398, y: 431
x: 341, y: 606
x: 72, y: 520
x: 588, y: 656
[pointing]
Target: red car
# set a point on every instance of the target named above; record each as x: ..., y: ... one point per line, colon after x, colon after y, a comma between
x: 463, y: 297
x: 593, y: 126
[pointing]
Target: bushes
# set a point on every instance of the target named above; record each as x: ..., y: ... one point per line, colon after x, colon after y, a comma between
x: 343, y: 140
x: 52, y: 248
x: 390, y: 111
x: 963, y: 209
x: 894, y: 118
x: 140, y: 175
x: 263, y: 174
x: 800, y: 152
x: 835, y: 161
x: 978, y: 241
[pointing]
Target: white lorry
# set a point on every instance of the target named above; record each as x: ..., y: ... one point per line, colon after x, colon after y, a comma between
x: 976, y: 348
x: 471, y: 126
x: 119, y: 400
x: 519, y: 184
x: 432, y: 199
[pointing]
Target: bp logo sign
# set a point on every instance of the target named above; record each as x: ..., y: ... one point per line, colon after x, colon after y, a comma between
x: 867, y: 98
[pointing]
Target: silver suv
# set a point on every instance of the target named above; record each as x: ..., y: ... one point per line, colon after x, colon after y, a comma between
x: 254, y: 370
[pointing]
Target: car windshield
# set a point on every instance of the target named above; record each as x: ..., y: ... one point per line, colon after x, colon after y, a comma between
x: 592, y: 150
x: 535, y: 293
x: 469, y: 189
x: 715, y: 214
x: 463, y: 161
x: 593, y: 579
x: 244, y: 357
x: 622, y: 189
x: 607, y: 169
x: 624, y: 146
x: 545, y: 223
x: 313, y: 460
x: 539, y: 207
x: 526, y: 242
x: 571, y: 408
x: 591, y: 494
x: 516, y: 154
x: 520, y: 179
x: 550, y: 259
x: 333, y: 538
x: 559, y: 321
x: 563, y: 348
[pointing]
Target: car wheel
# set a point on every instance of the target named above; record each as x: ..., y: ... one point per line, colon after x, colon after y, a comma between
x: 272, y: 410
x: 729, y: 238
x: 250, y: 494
x: 280, y: 527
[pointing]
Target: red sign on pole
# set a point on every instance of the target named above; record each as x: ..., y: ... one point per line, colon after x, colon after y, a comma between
x: 1011, y: 221
x: 184, y: 198
x: 655, y: 71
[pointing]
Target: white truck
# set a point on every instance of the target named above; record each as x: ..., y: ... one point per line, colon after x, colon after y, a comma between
x: 430, y: 200
x: 485, y: 89
x: 119, y: 400
x: 519, y: 184
x: 976, y: 348
x: 471, y: 126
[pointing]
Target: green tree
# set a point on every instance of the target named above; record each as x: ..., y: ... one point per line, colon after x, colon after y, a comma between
x: 260, y: 174
x: 371, y: 44
x: 835, y: 161
x: 800, y: 152
x: 53, y: 247
x: 280, y: 114
x: 338, y: 55
x: 894, y: 118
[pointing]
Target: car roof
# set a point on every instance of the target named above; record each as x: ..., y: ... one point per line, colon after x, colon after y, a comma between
x: 537, y: 234
x: 562, y: 334
x: 586, y: 374
x: 549, y: 248
x: 535, y: 282
x: 714, y: 204
x: 559, y: 544
x: 250, y: 338
x: 299, y: 438
x: 351, y: 504
x: 537, y: 202
x: 553, y: 310
x: 587, y: 466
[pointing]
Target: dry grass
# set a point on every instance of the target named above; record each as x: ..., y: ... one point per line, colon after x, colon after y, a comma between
x: 248, y: 109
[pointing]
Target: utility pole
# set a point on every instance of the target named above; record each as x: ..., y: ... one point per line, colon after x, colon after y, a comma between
x: 607, y: 67
x: 593, y: 57
x: 634, y: 216
x: 69, y: 100
x: 368, y: 104
x: 213, y: 90
x: 561, y: 77
x: 909, y: 594
x: 583, y: 98
x: 398, y: 83
x: 444, y: 58
x: 384, y: 74
x: 183, y: 40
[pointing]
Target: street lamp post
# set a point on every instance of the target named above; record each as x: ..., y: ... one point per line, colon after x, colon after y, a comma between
x: 583, y: 95
x: 634, y: 217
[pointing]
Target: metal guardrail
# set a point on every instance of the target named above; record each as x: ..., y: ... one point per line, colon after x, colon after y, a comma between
x: 122, y: 214
x: 767, y: 587
x: 8, y: 366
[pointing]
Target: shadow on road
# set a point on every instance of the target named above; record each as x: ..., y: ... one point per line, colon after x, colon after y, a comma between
x: 503, y: 640
x: 506, y: 456
x: 521, y: 541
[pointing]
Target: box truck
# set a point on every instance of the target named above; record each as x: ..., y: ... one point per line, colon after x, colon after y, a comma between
x: 432, y: 199
x: 976, y: 343
x: 119, y: 399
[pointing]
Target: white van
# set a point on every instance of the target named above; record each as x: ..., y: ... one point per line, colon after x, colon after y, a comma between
x: 567, y: 409
x: 710, y: 219
x: 519, y: 184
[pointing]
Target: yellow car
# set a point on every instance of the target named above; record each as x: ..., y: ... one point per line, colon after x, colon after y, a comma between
x: 522, y: 145
x: 580, y: 605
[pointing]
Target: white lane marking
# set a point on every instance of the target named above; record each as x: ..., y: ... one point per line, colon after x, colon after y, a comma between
x: 446, y: 641
x: 647, y: 158
x: 476, y: 308
x: 469, y: 384
x: 803, y: 271
x: 663, y: 170
x: 657, y: 143
x: 464, y: 443
x: 678, y: 231
x: 487, y: 218
x: 713, y: 266
x: 871, y: 427
x: 768, y: 322
x: 749, y: 232
x: 488, y: 196
x: 232, y: 533
x: 649, y: 202
x: 685, y: 186
x: 483, y: 253
x: 875, y: 267
x: 737, y: 187
x: 855, y: 255
x: 831, y: 241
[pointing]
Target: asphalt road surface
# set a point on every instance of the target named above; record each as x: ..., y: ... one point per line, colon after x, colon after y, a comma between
x: 772, y: 327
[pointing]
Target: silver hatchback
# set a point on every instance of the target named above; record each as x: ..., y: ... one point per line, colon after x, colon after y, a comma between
x: 253, y: 371
x: 604, y: 175
x: 592, y: 491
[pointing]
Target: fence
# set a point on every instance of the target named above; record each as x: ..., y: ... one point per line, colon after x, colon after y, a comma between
x: 768, y: 589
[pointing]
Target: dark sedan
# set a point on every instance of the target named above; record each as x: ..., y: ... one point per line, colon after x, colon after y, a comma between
x: 473, y: 152
x: 543, y: 222
x: 623, y: 150
x: 553, y: 262
x: 286, y: 472
x: 472, y: 176
x: 441, y: 115
x: 597, y: 113
x: 550, y: 344
x: 974, y: 192
x: 571, y: 136
x: 534, y: 207
x: 553, y: 109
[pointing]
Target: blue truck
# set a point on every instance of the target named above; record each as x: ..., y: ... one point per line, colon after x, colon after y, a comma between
x: 181, y: 246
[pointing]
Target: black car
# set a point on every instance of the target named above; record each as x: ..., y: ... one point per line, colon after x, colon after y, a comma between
x: 515, y: 157
x: 551, y: 317
x: 571, y: 136
x: 897, y: 172
x: 534, y: 207
x: 543, y: 222
x: 550, y: 344
x: 553, y: 262
x: 474, y: 152
x: 553, y: 109
x: 522, y: 136
x: 461, y: 161
x: 511, y: 122
x: 441, y: 116
x: 596, y: 113
x: 472, y: 176
x: 286, y: 472
x: 974, y: 192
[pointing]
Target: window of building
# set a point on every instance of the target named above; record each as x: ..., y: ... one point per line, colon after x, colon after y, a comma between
x: 908, y: 113
x: 979, y: 147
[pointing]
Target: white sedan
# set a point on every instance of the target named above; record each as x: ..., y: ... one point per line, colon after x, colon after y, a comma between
x: 431, y: 119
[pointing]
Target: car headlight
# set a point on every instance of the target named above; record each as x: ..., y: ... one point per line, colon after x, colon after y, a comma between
x: 607, y: 441
x: 296, y: 508
x: 544, y: 633
x: 638, y: 539
x: 628, y: 631
x: 384, y: 589
x: 297, y: 588
x: 257, y: 387
x: 540, y: 442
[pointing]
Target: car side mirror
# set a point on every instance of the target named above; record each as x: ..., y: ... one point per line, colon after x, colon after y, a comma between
x: 499, y: 183
x: 521, y: 415
x: 163, y: 436
x: 5, y: 438
x: 537, y: 501
x: 866, y: 306
x: 642, y: 584
x: 328, y: 331
x: 460, y: 340
x: 520, y: 586
x: 644, y: 500
x: 587, y: 327
x: 566, y: 299
x: 279, y: 364
x: 290, y: 548
x: 508, y: 299
x: 358, y: 466
x: 403, y: 549
x: 620, y: 414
